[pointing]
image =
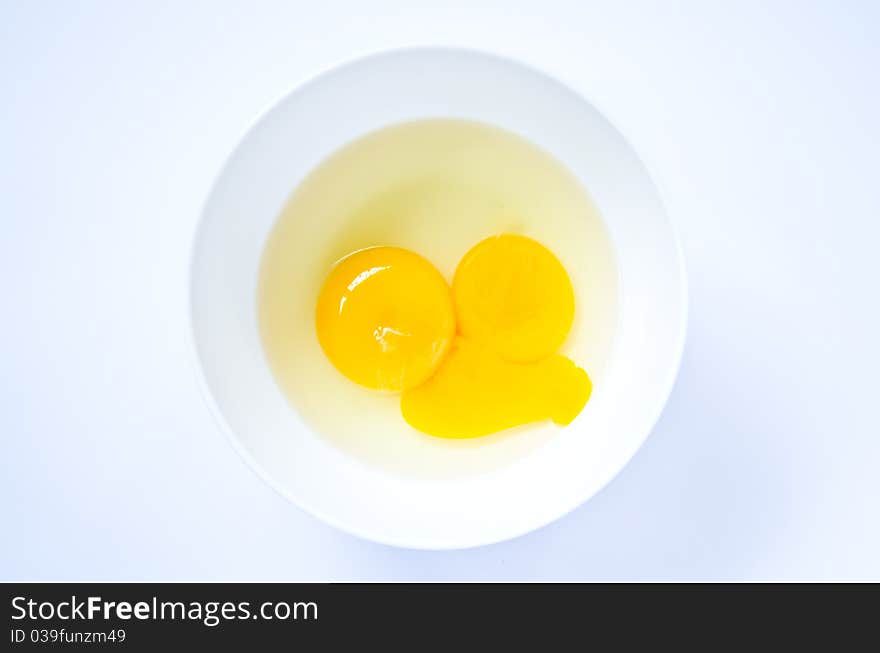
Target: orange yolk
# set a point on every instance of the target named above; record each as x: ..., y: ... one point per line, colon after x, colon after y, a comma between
x: 387, y: 320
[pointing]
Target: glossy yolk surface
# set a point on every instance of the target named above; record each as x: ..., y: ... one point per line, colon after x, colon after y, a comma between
x: 385, y: 318
x: 512, y: 294
x: 475, y: 392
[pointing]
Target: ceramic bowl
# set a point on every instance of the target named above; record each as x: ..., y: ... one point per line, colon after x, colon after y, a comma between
x: 299, y: 132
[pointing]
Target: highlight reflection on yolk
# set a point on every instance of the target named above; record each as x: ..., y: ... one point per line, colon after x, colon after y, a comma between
x: 386, y: 319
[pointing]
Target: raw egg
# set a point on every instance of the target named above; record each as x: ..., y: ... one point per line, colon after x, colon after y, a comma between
x: 475, y: 392
x: 477, y: 206
x: 386, y: 320
x: 513, y: 295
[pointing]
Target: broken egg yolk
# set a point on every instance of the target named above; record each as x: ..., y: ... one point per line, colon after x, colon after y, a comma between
x: 475, y: 392
x: 469, y: 362
x: 385, y: 318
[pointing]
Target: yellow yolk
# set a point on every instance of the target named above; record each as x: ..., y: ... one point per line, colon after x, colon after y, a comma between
x: 512, y: 294
x: 475, y: 392
x: 385, y: 318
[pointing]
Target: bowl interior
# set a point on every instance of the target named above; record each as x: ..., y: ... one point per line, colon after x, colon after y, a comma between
x: 281, y: 149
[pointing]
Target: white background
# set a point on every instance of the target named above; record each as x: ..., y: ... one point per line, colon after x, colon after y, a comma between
x: 761, y: 120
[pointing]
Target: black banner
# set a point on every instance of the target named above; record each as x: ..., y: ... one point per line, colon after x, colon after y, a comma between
x: 266, y: 616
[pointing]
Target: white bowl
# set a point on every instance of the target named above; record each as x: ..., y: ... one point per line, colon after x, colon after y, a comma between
x: 291, y: 139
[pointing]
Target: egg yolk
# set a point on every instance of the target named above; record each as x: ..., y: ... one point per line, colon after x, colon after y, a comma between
x: 385, y: 318
x: 513, y: 295
x: 469, y: 361
x: 475, y: 392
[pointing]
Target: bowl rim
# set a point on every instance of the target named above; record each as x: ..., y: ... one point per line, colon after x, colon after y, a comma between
x: 232, y: 439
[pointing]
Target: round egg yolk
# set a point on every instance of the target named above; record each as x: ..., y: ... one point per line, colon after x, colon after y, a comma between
x: 385, y: 318
x: 513, y: 295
